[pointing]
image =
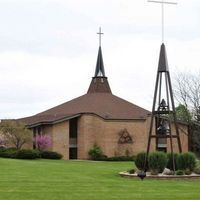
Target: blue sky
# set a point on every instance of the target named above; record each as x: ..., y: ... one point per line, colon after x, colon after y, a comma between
x: 48, y: 49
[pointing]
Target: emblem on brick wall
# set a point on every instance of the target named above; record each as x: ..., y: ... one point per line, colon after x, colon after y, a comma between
x: 125, y: 137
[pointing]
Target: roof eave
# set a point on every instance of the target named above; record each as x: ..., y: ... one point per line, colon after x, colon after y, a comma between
x: 53, y: 121
x: 78, y: 115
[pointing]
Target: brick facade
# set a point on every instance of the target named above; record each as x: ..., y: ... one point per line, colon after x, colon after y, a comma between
x: 106, y: 133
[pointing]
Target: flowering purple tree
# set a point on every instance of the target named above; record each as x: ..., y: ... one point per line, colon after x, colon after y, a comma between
x: 42, y: 142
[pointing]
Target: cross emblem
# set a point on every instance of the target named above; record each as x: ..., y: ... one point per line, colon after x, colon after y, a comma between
x: 100, y: 33
x: 163, y: 3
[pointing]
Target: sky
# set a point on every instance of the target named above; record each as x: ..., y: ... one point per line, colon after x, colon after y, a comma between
x: 48, y: 49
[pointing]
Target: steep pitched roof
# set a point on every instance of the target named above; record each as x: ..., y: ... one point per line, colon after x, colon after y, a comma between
x: 99, y: 82
x: 99, y: 85
x: 99, y: 66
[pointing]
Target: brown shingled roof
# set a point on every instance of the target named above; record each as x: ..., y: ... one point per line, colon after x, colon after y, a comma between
x: 99, y: 84
x: 105, y: 105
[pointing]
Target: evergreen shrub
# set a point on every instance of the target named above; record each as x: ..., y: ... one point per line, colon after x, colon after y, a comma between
x: 51, y: 155
x: 96, y: 153
x: 131, y: 171
x: 170, y: 161
x: 27, y: 154
x: 187, y: 172
x: 8, y: 152
x: 140, y: 161
x: 180, y: 172
x: 157, y: 161
x: 120, y: 158
x: 186, y: 161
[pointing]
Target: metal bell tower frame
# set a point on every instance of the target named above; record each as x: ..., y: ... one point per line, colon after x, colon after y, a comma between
x: 163, y: 111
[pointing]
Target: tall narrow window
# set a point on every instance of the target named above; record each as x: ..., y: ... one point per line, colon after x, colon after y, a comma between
x: 73, y: 127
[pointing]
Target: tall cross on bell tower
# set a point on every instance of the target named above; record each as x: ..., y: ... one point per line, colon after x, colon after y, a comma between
x: 100, y: 33
x: 163, y: 125
x: 163, y: 21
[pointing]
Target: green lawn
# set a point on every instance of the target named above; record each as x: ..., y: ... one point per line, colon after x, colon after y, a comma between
x: 84, y: 180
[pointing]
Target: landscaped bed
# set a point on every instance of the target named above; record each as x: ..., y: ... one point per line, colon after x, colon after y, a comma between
x: 159, y: 165
x: 161, y: 176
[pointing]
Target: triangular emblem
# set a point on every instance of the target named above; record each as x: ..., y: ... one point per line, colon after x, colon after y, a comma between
x: 125, y: 137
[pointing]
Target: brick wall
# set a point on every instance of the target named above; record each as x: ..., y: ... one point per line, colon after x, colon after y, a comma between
x: 94, y: 130
x: 105, y: 133
x: 60, y: 139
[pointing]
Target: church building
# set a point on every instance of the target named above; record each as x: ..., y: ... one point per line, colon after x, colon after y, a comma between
x: 98, y: 117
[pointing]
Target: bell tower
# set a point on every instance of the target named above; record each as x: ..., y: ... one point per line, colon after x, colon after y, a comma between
x: 163, y: 115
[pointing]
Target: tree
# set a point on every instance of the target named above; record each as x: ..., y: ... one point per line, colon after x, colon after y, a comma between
x: 3, y: 140
x: 42, y: 142
x: 15, y: 132
x: 183, y: 114
x: 187, y: 92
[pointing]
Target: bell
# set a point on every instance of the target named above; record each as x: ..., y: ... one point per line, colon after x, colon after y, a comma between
x: 163, y: 105
x: 163, y: 129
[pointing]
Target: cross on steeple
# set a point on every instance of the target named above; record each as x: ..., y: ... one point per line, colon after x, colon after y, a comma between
x: 99, y: 82
x: 100, y: 33
x: 162, y: 4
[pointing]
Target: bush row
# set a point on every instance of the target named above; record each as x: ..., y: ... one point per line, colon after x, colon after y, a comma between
x: 120, y: 158
x: 28, y: 154
x: 51, y: 155
x: 115, y: 158
x: 157, y: 161
x: 96, y: 153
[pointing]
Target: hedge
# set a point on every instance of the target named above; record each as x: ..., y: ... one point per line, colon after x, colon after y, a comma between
x: 27, y: 154
x: 120, y: 158
x: 50, y: 155
x: 8, y: 153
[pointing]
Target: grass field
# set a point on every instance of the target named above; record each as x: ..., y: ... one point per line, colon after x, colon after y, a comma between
x: 84, y: 180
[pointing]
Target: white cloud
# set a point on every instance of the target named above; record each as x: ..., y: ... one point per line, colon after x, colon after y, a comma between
x: 48, y: 49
